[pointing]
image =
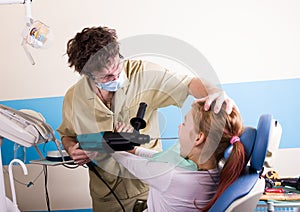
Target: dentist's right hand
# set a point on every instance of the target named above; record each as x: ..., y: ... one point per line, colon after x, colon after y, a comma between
x: 78, y: 155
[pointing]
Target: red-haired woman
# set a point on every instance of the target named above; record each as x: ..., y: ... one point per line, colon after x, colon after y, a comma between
x: 192, y: 180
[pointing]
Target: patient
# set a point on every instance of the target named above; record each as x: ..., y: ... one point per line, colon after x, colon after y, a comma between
x: 191, y: 181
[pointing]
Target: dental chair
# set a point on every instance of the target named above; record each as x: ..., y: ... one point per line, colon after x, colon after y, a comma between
x: 244, y: 194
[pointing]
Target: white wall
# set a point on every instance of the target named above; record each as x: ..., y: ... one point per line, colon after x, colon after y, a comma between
x: 243, y: 40
x: 67, y: 188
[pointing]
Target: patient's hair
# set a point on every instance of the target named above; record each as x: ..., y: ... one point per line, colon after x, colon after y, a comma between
x: 92, y: 49
x: 227, y: 126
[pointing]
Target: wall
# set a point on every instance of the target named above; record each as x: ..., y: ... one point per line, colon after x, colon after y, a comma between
x: 253, y: 47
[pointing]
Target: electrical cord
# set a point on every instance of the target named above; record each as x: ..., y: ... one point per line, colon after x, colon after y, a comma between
x: 91, y: 166
x: 30, y: 183
x: 46, y: 187
x: 69, y: 166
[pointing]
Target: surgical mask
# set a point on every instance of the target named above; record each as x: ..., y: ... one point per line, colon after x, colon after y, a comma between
x: 112, y: 85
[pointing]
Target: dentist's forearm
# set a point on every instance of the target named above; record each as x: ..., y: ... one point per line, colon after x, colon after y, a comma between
x: 200, y: 88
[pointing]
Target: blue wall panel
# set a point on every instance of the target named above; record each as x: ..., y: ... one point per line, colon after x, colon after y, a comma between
x: 281, y: 98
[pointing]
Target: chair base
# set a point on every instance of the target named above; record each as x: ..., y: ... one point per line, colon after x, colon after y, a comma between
x: 248, y: 202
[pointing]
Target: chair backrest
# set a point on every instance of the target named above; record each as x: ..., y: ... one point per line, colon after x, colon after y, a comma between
x: 244, y: 193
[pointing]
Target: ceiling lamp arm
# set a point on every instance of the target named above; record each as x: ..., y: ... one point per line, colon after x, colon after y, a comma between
x: 12, y: 1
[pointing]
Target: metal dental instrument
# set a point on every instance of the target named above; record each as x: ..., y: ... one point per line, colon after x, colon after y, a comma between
x: 171, y: 138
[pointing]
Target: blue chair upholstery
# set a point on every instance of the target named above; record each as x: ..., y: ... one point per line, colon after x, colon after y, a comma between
x: 248, y: 140
x: 240, y: 195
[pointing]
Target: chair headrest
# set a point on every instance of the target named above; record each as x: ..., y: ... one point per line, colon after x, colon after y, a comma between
x: 261, y: 144
x: 257, y: 149
x: 248, y: 139
x: 256, y: 144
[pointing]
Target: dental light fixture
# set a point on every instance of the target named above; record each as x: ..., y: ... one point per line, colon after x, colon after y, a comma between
x: 35, y: 33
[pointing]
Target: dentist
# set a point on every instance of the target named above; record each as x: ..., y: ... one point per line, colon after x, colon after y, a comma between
x: 108, y: 95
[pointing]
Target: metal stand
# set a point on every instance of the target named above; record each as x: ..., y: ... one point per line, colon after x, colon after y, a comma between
x: 2, y: 185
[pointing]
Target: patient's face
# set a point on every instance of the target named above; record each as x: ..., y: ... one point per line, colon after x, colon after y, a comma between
x: 187, y: 135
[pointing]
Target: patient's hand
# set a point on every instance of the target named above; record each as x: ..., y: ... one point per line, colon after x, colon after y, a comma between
x: 133, y: 150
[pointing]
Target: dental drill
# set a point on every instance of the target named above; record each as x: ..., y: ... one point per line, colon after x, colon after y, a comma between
x: 108, y: 141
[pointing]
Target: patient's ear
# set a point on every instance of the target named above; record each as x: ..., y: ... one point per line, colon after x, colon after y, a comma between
x: 200, y: 139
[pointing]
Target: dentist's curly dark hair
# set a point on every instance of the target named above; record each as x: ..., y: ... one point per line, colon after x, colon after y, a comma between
x: 92, y: 49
